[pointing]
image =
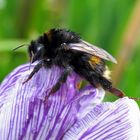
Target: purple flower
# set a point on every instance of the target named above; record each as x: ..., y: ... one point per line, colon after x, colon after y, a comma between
x: 69, y: 114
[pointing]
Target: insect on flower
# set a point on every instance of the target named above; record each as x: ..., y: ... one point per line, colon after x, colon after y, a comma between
x: 63, y: 48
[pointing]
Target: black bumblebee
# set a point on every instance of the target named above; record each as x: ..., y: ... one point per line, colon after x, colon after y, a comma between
x: 66, y: 49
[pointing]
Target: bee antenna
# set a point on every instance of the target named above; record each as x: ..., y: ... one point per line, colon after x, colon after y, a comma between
x: 20, y: 46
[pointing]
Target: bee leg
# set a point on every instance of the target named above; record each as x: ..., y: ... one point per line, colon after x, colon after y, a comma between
x: 35, y: 70
x: 116, y: 92
x: 107, y: 85
x: 61, y: 80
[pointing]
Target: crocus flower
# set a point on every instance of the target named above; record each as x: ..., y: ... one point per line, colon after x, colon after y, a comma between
x: 69, y: 114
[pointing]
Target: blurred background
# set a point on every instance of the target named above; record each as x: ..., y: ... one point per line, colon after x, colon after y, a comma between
x: 111, y: 24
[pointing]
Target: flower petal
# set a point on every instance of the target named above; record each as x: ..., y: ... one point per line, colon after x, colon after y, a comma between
x: 68, y: 114
x: 26, y: 114
x: 114, y: 121
x: 88, y: 99
x: 28, y: 117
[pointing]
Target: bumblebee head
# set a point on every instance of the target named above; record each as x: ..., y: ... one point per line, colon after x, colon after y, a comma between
x: 36, y: 51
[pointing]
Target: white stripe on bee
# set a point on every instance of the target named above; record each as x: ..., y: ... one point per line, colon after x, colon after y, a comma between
x: 107, y: 73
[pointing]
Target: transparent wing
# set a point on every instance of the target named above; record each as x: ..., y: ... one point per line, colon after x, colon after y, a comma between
x: 86, y: 47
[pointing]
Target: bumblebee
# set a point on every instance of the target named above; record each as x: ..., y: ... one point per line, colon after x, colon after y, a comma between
x: 66, y: 49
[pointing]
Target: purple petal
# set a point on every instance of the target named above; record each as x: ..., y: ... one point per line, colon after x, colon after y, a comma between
x: 28, y: 117
x: 88, y: 99
x: 68, y: 114
x: 114, y: 121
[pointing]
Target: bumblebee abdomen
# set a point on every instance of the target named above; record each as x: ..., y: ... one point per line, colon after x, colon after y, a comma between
x: 99, y: 65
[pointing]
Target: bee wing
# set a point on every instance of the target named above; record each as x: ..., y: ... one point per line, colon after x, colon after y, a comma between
x: 86, y: 47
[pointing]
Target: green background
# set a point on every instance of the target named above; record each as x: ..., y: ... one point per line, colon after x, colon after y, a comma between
x: 110, y: 24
